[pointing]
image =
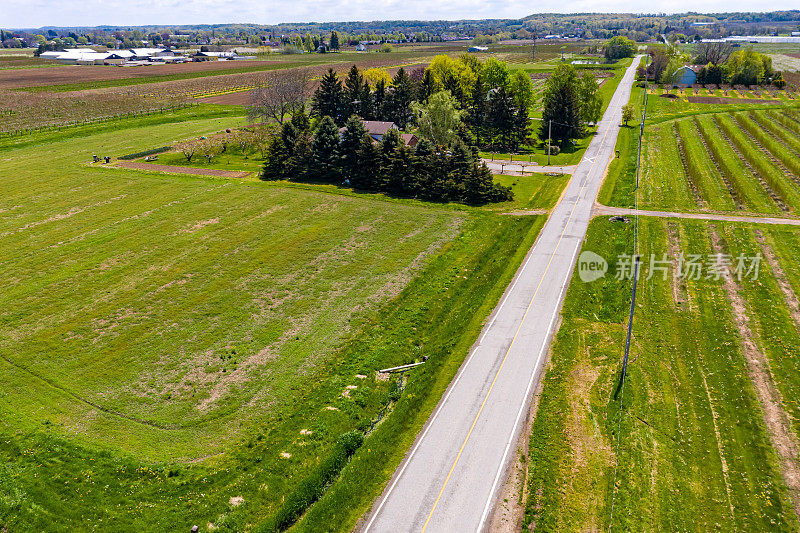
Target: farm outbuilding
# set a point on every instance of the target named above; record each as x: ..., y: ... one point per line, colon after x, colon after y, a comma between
x: 686, y: 75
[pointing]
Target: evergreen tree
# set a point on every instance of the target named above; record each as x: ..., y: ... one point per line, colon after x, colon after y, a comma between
x: 461, y: 164
x: 480, y: 187
x: 350, y: 148
x: 426, y: 87
x: 453, y: 86
x: 379, y: 100
x: 287, y: 153
x: 422, y: 170
x: 328, y: 98
x: 351, y: 92
x: 367, y: 107
x: 387, y: 149
x: 366, y: 175
x: 325, y: 151
x: 502, y: 117
x: 297, y: 143
x: 334, y: 41
x: 476, y: 117
x: 521, y: 128
x: 562, y: 106
x: 399, y: 100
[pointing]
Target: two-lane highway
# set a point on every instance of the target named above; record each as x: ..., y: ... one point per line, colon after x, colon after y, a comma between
x: 449, y: 480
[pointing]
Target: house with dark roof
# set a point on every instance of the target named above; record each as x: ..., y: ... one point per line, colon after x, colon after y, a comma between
x: 378, y: 128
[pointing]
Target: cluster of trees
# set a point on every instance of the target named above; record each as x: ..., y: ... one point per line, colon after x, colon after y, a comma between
x: 246, y: 141
x: 322, y: 153
x: 358, y: 95
x: 495, y: 102
x: 570, y: 103
x: 619, y: 47
x: 456, y: 106
x: 721, y: 65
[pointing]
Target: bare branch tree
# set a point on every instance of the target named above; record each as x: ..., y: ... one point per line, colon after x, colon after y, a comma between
x: 715, y: 53
x: 284, y: 93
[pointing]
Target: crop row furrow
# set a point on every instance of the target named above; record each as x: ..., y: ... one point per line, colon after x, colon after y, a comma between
x: 769, y: 147
x: 719, y: 162
x: 740, y: 150
x: 689, y: 169
x: 782, y: 135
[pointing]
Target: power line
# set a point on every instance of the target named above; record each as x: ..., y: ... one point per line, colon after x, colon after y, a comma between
x: 636, y: 262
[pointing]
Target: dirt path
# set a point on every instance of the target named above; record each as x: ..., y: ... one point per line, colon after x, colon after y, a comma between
x: 170, y: 169
x: 776, y: 420
x: 604, y: 210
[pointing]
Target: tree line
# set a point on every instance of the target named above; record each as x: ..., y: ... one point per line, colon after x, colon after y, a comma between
x: 321, y: 153
x: 456, y: 106
x: 721, y: 64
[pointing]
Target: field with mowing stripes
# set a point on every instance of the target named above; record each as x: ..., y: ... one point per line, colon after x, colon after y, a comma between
x: 182, y: 350
x: 710, y: 421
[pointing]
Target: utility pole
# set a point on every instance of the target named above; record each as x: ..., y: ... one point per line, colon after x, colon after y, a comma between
x: 549, y: 132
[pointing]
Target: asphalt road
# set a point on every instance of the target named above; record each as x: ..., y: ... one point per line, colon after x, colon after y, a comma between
x: 451, y: 477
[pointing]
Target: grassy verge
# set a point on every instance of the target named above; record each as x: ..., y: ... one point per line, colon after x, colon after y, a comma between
x: 451, y: 332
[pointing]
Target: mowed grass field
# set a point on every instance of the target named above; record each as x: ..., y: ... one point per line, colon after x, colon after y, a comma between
x: 699, y: 447
x: 713, y: 158
x: 186, y: 350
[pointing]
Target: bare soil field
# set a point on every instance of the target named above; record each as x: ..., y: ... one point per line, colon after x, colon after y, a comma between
x: 37, y: 77
x: 171, y: 169
x: 723, y: 100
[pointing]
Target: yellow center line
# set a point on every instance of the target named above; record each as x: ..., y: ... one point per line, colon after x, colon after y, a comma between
x: 514, y: 338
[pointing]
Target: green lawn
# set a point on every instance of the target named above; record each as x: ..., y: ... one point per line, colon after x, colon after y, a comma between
x: 170, y: 343
x: 536, y: 191
x: 694, y: 451
x: 232, y: 159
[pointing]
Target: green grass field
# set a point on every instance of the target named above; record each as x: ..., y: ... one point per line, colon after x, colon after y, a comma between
x: 173, y: 344
x: 695, y: 451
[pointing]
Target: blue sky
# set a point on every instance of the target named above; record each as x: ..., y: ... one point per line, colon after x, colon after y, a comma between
x: 37, y: 13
